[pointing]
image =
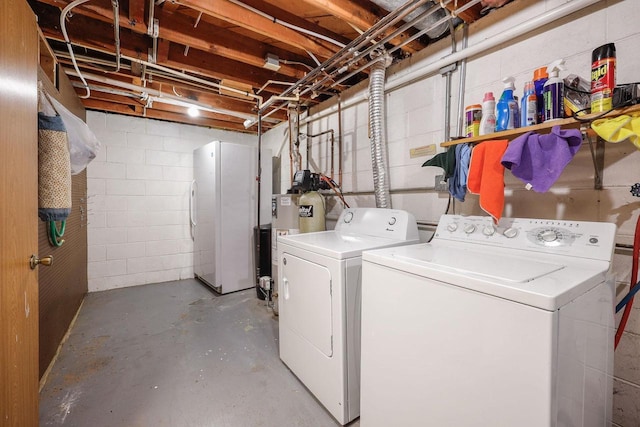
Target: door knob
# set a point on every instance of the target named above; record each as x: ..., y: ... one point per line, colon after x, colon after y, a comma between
x: 45, y: 260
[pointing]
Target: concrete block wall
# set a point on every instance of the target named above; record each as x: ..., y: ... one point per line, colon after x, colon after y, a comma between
x: 415, y: 118
x: 138, y: 199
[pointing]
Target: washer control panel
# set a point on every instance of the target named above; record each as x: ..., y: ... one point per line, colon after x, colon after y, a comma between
x: 580, y: 238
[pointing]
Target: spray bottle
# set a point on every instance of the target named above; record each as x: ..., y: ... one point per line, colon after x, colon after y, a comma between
x: 507, y: 107
x: 553, y: 92
x: 488, y: 120
x: 529, y: 110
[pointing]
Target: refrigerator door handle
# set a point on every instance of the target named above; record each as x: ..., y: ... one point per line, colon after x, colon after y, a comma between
x: 192, y: 212
x: 192, y: 194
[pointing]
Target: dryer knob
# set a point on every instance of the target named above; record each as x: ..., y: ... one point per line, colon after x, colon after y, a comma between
x: 452, y: 227
x: 348, y: 217
x: 469, y: 228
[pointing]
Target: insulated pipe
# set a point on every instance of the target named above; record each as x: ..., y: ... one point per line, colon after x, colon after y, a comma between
x: 485, y: 45
x: 376, y: 125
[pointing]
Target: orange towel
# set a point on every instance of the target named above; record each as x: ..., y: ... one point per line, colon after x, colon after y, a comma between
x: 486, y: 176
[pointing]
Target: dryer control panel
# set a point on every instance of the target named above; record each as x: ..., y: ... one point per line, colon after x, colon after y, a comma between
x: 390, y: 223
x: 579, y: 238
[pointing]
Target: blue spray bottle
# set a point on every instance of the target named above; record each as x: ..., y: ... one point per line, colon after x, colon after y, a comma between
x: 507, y: 107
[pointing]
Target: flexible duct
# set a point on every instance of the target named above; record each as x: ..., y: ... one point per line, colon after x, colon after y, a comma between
x: 376, y: 124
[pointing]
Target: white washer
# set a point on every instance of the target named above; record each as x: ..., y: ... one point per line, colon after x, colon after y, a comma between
x: 319, y: 301
x: 490, y: 327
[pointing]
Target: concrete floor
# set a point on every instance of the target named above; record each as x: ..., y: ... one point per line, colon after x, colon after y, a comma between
x: 175, y: 354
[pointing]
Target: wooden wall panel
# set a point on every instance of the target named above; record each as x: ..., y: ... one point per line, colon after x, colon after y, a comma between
x: 63, y: 285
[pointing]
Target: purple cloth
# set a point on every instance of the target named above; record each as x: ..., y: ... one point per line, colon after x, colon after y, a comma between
x: 539, y: 160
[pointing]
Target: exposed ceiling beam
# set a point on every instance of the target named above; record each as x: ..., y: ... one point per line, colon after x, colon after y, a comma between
x: 136, y: 11
x: 362, y: 18
x: 219, y: 41
x: 237, y: 15
x: 180, y: 29
x: 162, y: 115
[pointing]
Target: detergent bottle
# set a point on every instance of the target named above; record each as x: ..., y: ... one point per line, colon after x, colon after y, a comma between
x: 507, y: 107
x: 553, y: 92
x: 529, y: 109
x: 488, y: 119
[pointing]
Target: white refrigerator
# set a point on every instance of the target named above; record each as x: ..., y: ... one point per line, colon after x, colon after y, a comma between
x: 223, y: 211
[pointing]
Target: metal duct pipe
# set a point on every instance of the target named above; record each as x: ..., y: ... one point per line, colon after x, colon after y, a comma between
x: 376, y: 124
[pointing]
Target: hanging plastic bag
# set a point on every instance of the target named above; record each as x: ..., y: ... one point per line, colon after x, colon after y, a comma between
x: 83, y: 143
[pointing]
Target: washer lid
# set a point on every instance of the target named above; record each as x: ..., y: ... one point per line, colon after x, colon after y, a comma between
x: 339, y: 245
x: 539, y: 280
x: 483, y: 264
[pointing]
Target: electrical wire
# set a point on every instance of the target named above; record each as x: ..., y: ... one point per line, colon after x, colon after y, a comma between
x: 63, y: 27
x: 634, y: 284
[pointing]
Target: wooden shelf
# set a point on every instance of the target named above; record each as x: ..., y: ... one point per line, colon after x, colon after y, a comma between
x: 545, y: 127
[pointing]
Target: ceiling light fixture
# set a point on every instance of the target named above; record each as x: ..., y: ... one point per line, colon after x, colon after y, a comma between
x: 193, y: 112
x: 249, y: 122
x: 271, y: 62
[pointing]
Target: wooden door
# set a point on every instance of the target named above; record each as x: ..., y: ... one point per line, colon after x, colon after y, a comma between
x: 18, y: 215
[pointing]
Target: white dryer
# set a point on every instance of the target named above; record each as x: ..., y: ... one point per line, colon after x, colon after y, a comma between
x: 490, y: 327
x: 319, y: 301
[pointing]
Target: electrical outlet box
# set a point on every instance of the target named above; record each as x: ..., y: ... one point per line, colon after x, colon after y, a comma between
x: 441, y: 185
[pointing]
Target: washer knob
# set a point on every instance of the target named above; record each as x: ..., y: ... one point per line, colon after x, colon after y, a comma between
x: 452, y: 227
x: 348, y: 217
x: 510, y: 233
x: 469, y: 228
x: 392, y: 220
x: 488, y: 230
x: 548, y: 235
